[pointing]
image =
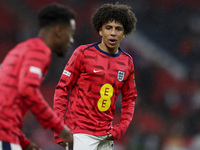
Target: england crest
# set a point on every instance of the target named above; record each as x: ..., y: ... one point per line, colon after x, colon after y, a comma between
x: 120, y: 75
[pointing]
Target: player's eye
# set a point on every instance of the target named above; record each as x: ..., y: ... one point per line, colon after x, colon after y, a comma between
x: 119, y: 28
x: 108, y: 27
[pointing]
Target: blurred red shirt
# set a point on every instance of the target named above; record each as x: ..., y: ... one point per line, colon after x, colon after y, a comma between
x: 21, y: 74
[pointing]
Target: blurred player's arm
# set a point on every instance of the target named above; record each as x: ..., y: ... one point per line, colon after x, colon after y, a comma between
x: 26, y: 144
x: 30, y: 78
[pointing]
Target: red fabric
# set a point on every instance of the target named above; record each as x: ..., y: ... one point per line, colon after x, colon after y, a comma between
x: 21, y: 74
x: 24, y: 142
x: 90, y: 75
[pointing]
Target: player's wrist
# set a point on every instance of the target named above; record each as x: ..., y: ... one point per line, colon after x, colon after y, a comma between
x: 110, y: 136
x: 63, y: 144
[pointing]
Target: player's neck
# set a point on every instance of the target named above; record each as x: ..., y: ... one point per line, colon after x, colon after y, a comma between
x: 107, y: 49
x: 44, y: 35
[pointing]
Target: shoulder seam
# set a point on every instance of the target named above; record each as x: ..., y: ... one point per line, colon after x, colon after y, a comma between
x: 127, y: 54
x: 89, y: 46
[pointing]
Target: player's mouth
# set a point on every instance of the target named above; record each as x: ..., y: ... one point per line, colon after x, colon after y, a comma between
x: 112, y: 41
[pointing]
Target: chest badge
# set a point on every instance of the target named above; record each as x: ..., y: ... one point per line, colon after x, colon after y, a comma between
x: 120, y: 75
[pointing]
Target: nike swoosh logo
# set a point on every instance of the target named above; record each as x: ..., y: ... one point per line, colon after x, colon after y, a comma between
x: 95, y: 71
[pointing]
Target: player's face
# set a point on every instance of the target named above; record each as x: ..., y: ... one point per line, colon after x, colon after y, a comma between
x: 66, y: 38
x: 112, y: 34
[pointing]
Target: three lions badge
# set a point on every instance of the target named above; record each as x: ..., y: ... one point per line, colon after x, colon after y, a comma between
x: 120, y: 75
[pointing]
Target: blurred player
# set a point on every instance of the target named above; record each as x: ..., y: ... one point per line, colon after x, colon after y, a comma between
x: 22, y: 72
x: 95, y: 74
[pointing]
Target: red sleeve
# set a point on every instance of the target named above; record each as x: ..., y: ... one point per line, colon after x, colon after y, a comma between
x: 24, y: 142
x: 35, y: 64
x: 67, y: 81
x: 129, y: 94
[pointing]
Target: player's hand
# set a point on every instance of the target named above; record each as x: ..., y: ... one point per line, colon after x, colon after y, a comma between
x: 63, y: 144
x: 32, y: 146
x: 66, y: 135
x: 110, y: 137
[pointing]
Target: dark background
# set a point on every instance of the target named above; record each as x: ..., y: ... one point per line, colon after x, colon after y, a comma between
x: 166, y: 52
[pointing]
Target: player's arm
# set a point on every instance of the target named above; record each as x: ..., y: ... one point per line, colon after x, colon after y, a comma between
x: 34, y: 66
x: 129, y: 95
x: 26, y: 144
x: 67, y: 81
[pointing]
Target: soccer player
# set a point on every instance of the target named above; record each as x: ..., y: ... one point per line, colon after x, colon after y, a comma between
x: 22, y: 72
x: 95, y: 74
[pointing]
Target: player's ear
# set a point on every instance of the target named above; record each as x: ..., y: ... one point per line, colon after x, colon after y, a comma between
x: 58, y: 30
x: 100, y: 32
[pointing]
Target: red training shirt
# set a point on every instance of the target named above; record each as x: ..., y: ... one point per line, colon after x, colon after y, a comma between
x: 21, y: 74
x: 95, y: 79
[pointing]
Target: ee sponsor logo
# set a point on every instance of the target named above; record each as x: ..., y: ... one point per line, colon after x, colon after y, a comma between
x: 106, y: 93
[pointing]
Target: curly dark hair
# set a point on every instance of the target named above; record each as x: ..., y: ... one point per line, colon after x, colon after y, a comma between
x: 55, y: 14
x: 117, y: 12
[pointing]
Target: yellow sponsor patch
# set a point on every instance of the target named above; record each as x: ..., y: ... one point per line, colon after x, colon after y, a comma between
x: 106, y: 93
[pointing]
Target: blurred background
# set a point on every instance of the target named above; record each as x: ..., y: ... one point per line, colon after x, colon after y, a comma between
x: 166, y: 52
